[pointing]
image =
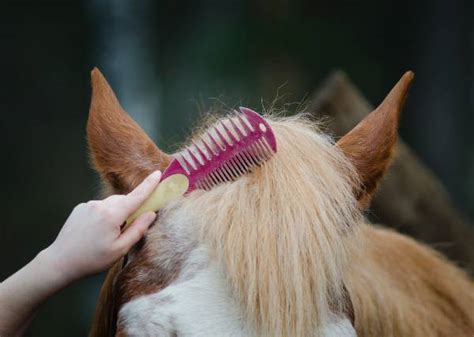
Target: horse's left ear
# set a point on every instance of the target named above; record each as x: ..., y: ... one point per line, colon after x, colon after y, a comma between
x: 121, y: 151
x: 370, y: 144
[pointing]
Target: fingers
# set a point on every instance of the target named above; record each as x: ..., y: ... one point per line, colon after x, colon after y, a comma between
x: 135, y: 232
x: 126, y: 204
x: 115, y: 198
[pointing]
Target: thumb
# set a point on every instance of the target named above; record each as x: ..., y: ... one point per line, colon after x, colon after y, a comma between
x: 135, y: 231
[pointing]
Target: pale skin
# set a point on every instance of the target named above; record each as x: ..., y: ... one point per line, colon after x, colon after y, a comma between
x: 90, y: 241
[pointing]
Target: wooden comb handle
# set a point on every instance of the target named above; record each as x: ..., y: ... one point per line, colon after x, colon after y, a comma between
x: 170, y: 188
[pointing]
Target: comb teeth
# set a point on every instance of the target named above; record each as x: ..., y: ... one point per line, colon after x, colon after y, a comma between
x: 232, y: 148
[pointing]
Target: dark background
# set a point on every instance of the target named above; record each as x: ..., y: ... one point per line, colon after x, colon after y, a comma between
x: 166, y: 59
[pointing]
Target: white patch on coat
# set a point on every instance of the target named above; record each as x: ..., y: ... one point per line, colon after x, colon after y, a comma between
x: 197, y: 304
x: 339, y: 327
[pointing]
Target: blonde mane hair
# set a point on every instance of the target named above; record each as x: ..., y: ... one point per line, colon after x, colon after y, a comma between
x: 282, y: 233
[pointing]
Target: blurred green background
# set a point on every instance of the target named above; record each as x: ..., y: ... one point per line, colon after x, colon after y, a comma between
x: 167, y: 58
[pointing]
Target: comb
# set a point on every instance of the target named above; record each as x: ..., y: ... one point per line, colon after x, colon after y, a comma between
x: 230, y: 149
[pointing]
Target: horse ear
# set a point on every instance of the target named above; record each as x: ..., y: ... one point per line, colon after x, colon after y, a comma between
x: 370, y: 144
x: 120, y: 150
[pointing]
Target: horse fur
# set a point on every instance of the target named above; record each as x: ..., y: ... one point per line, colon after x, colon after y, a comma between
x: 283, y: 251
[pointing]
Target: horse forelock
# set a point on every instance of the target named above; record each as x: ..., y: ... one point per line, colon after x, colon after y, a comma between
x: 281, y: 235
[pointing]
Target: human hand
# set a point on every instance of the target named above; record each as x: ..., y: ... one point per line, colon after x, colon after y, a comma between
x: 91, y: 239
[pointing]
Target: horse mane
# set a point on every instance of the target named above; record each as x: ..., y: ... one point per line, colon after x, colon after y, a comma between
x: 282, y: 233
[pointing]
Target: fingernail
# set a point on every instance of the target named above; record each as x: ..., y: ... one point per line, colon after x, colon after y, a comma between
x: 150, y: 216
x: 156, y: 174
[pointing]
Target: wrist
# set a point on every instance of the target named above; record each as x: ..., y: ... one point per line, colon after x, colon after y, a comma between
x: 58, y: 272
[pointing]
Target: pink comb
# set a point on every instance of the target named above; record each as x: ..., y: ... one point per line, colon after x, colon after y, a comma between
x: 233, y: 147
x: 230, y: 149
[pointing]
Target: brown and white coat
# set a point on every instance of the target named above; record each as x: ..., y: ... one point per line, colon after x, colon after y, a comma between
x: 281, y: 252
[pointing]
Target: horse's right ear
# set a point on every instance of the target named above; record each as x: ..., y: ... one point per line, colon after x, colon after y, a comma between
x: 120, y: 150
x: 370, y: 144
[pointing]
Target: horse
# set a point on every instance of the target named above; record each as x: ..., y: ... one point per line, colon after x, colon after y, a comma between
x: 283, y: 251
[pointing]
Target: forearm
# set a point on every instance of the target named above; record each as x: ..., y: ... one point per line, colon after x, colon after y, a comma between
x: 23, y: 292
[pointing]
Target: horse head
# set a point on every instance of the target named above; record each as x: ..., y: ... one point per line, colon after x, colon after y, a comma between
x: 265, y: 255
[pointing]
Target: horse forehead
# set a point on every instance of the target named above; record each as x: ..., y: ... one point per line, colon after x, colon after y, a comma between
x: 174, y: 287
x: 199, y: 303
